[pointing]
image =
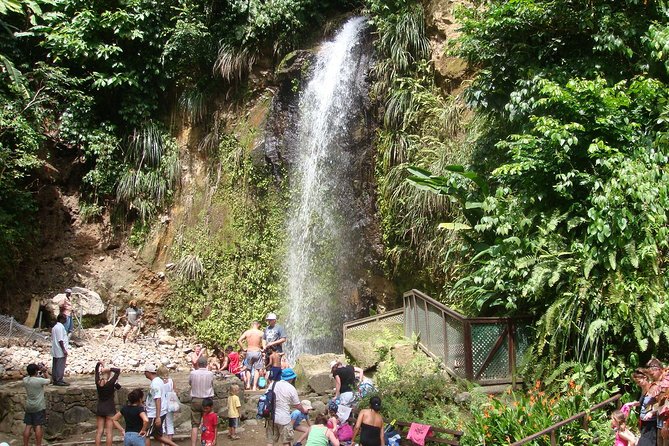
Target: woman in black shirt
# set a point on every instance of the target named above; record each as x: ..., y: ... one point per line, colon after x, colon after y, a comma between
x: 106, y: 409
x: 136, y: 420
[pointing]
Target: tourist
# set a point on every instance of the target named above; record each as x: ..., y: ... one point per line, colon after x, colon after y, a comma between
x: 133, y: 316
x: 60, y: 344
x: 253, y: 361
x: 659, y: 388
x: 370, y: 424
x: 647, y: 415
x: 319, y: 434
x: 168, y: 387
x: 233, y: 412
x: 297, y: 417
x: 274, y: 335
x: 624, y: 437
x: 35, y: 408
x: 65, y: 308
x: 209, y: 426
x: 156, y: 408
x: 201, y: 383
x: 274, y: 365
x: 106, y: 386
x: 196, y: 354
x: 136, y: 420
x: 280, y: 428
x: 344, y: 376
x: 232, y: 362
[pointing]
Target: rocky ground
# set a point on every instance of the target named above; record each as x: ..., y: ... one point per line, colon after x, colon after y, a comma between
x: 95, y: 344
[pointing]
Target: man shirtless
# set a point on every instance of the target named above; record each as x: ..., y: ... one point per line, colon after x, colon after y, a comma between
x: 253, y: 349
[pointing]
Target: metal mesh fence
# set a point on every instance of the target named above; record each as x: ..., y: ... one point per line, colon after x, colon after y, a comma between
x: 10, y: 328
x: 442, y: 333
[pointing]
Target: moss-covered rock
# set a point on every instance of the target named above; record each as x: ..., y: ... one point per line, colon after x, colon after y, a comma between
x: 369, y: 346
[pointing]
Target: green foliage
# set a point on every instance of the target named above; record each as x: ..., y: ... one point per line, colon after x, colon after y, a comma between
x: 417, y: 391
x: 422, y: 128
x: 575, y: 229
x: 228, y: 272
x: 153, y: 171
x: 514, y: 416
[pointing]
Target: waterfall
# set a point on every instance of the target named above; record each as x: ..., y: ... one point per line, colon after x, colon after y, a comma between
x: 321, y: 238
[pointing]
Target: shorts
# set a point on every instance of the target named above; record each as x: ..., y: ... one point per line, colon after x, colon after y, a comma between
x: 133, y: 439
x: 275, y: 374
x: 279, y: 433
x: 233, y: 422
x: 196, y: 412
x: 254, y: 360
x: 207, y: 443
x: 153, y: 430
x: 35, y: 418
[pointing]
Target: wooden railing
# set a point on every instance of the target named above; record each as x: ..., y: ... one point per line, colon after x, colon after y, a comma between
x: 553, y: 429
x: 361, y: 323
x: 480, y: 349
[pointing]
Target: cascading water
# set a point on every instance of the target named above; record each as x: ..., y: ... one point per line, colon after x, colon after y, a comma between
x: 322, y: 241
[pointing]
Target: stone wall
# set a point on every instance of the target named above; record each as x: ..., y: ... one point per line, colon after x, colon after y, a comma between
x: 71, y: 409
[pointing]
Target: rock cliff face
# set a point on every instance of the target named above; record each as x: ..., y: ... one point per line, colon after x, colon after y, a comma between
x: 96, y: 255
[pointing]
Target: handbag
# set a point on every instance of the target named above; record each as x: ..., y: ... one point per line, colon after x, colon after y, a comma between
x: 173, y: 403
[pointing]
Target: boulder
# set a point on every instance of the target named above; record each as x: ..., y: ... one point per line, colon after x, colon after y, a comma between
x: 403, y: 354
x: 313, y: 372
x: 365, y: 346
x: 77, y: 415
x: 84, y: 301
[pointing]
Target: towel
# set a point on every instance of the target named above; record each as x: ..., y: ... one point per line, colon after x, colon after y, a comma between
x: 343, y: 413
x: 418, y: 432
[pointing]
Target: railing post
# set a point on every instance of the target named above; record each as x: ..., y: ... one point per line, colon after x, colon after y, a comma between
x: 553, y: 440
x: 428, y: 337
x: 512, y: 350
x: 469, y: 360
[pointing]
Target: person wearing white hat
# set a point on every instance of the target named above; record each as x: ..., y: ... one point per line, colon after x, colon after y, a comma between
x: 274, y: 335
x: 297, y: 417
x: 156, y: 408
x: 65, y: 307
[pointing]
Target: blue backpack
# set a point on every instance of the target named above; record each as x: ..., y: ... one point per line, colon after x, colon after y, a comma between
x: 266, y: 404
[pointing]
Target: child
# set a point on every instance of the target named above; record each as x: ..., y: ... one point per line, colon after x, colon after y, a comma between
x: 296, y: 417
x: 233, y: 412
x: 624, y: 437
x: 274, y: 365
x: 209, y: 426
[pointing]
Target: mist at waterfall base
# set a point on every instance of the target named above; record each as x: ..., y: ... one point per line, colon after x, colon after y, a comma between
x: 322, y: 242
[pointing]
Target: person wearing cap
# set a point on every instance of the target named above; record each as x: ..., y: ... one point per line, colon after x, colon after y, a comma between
x: 280, y: 428
x: 156, y: 408
x: 344, y: 376
x: 274, y: 335
x: 201, y: 382
x: 297, y: 417
x: 65, y: 306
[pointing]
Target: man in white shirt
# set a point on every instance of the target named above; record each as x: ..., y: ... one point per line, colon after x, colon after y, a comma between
x: 201, y: 382
x: 156, y: 408
x: 280, y: 427
x: 60, y: 344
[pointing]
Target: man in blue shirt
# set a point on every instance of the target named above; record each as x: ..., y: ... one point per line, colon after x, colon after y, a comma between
x: 274, y: 335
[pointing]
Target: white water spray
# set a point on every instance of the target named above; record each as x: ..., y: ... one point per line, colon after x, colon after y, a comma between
x: 320, y: 235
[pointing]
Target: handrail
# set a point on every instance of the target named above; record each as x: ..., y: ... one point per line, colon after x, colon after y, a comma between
x: 375, y: 318
x: 436, y: 303
x: 551, y: 430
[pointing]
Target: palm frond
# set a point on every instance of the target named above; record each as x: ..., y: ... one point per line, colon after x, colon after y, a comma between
x: 233, y: 64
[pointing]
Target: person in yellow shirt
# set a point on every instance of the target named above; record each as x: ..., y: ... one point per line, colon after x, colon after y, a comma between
x: 233, y: 412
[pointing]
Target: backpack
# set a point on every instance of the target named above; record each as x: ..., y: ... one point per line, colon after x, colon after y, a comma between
x: 266, y: 404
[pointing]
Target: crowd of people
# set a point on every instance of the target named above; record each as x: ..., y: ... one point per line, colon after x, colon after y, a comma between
x: 653, y: 404
x: 260, y: 362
